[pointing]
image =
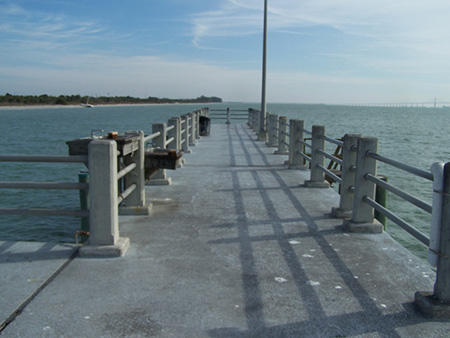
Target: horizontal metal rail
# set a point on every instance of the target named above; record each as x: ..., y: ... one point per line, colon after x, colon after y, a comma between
x: 126, y: 193
x: 126, y: 170
x: 170, y: 140
x: 413, y: 170
x: 306, y: 157
x: 170, y: 128
x: 330, y: 173
x: 307, y: 131
x: 331, y: 157
x: 45, y: 212
x: 43, y: 158
x: 44, y: 185
x: 304, y: 143
x: 400, y: 193
x: 152, y: 136
x: 397, y: 220
x: 332, y: 140
x: 285, y: 143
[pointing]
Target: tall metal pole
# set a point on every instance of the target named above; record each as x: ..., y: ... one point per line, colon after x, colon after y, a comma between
x: 262, y: 135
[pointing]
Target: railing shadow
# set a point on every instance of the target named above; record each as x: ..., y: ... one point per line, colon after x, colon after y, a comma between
x: 368, y: 320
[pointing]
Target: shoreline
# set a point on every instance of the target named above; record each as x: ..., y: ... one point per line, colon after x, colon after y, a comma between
x: 53, y: 106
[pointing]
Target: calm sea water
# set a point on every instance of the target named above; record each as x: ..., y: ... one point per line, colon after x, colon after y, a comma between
x: 417, y: 136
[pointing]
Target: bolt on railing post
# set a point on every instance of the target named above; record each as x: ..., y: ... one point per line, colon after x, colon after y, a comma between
x: 135, y: 202
x: 104, y: 239
x: 317, y: 179
x: 363, y: 219
x: 282, y: 137
x: 296, y: 134
x: 272, y: 130
x: 437, y: 304
x: 159, y: 178
x: 348, y: 177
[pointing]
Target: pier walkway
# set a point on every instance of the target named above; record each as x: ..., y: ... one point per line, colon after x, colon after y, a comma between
x: 234, y: 247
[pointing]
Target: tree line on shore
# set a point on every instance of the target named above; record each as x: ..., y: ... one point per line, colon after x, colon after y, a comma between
x: 29, y: 100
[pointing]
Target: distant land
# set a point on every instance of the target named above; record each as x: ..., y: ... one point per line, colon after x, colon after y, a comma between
x: 34, y: 100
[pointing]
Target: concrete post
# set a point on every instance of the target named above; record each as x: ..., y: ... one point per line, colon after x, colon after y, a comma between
x: 348, y: 177
x: 256, y: 122
x: 175, y: 133
x: 363, y: 214
x: 317, y: 175
x: 273, y: 131
x: 159, y: 178
x: 282, y: 137
x: 192, y: 141
x: 104, y: 237
x: 228, y: 116
x: 184, y: 134
x: 296, y: 133
x: 437, y: 304
x: 135, y: 202
x: 197, y: 114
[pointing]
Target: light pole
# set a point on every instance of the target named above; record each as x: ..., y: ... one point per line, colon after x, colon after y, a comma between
x: 262, y: 135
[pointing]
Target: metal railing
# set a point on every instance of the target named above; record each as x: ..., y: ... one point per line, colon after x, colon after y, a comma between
x: 358, y: 182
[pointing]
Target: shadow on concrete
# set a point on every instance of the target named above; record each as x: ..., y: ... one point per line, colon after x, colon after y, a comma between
x: 369, y: 320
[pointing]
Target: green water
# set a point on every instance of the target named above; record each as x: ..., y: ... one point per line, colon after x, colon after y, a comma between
x: 416, y: 136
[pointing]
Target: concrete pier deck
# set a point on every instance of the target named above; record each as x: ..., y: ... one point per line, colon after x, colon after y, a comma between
x: 235, y: 247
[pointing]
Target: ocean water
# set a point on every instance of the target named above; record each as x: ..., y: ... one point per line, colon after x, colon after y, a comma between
x: 416, y: 136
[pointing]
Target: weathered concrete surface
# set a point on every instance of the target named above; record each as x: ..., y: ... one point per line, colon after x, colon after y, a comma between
x: 237, y: 247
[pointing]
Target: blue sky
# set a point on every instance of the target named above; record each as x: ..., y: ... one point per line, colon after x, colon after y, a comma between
x: 319, y: 51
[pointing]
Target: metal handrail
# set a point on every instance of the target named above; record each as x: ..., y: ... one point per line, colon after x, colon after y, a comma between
x: 43, y: 158
x: 126, y: 170
x: 331, y: 157
x: 330, y: 173
x: 152, y: 136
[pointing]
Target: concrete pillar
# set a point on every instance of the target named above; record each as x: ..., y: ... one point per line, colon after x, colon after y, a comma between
x: 184, y: 134
x: 348, y: 177
x: 437, y: 304
x: 135, y: 202
x: 317, y: 175
x: 192, y: 141
x: 296, y: 133
x: 282, y: 137
x: 175, y: 133
x: 228, y: 116
x: 104, y: 239
x: 273, y: 131
x: 159, y: 178
x: 197, y: 114
x: 362, y: 219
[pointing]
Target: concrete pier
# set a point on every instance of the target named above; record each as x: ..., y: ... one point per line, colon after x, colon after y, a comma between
x: 236, y: 246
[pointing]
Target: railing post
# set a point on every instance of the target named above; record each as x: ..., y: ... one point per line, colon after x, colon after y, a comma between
x: 104, y: 239
x: 348, y: 177
x: 159, y: 178
x: 256, y: 121
x: 192, y: 141
x: 273, y: 131
x: 317, y: 179
x: 185, y: 134
x: 282, y: 137
x: 437, y: 304
x: 135, y: 202
x: 197, y: 114
x: 362, y: 219
x: 296, y: 134
x: 228, y: 116
x: 175, y: 133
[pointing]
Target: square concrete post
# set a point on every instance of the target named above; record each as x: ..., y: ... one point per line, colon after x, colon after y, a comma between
x: 135, y: 202
x: 159, y: 178
x: 282, y: 137
x: 256, y: 122
x: 317, y: 143
x: 296, y: 134
x: 437, y: 304
x: 192, y: 141
x: 348, y: 177
x: 273, y: 131
x: 197, y: 114
x: 104, y: 239
x: 185, y: 134
x: 175, y: 133
x: 363, y: 219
